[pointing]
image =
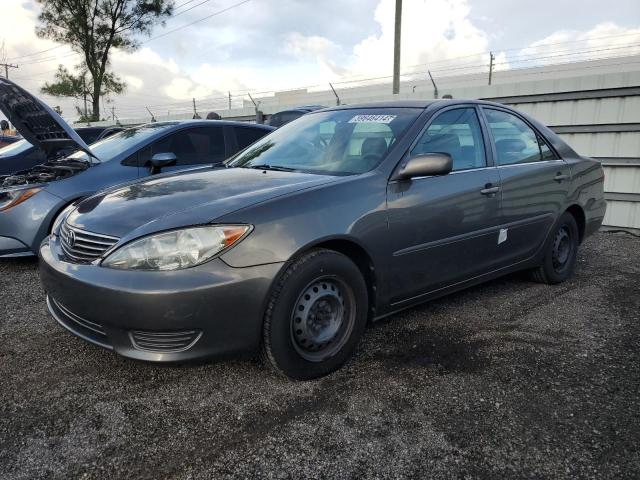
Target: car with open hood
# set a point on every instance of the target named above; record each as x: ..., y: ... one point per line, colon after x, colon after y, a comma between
x: 21, y: 155
x: 343, y: 216
x: 30, y: 198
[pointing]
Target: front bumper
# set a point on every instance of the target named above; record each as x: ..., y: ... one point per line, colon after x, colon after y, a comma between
x: 205, y: 311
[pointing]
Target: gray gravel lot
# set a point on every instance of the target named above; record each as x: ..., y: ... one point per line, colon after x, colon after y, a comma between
x: 509, y: 379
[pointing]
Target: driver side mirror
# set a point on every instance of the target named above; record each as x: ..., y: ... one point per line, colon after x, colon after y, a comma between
x: 160, y: 160
x: 425, y: 165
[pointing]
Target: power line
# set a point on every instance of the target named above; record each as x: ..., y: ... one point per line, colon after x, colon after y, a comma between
x: 452, y: 59
x: 190, y: 8
x: 219, y: 12
x: 184, y: 4
x: 7, y: 66
x: 35, y: 53
x: 571, y: 41
x: 235, y: 5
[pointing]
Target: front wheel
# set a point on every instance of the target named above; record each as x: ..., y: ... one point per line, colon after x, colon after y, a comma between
x: 560, y: 253
x: 315, y: 316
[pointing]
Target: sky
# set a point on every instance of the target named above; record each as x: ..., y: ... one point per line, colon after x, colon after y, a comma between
x: 266, y: 45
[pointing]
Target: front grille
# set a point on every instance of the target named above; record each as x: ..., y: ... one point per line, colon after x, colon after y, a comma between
x: 165, y: 342
x: 82, y: 246
x: 88, y: 329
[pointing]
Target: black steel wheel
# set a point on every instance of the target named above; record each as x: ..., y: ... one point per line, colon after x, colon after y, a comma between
x: 316, y: 315
x: 322, y: 318
x: 560, y: 252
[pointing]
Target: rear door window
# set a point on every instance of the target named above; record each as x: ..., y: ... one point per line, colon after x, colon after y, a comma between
x: 194, y: 146
x: 515, y: 141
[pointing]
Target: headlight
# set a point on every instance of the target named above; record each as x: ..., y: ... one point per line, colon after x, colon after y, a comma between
x: 11, y: 198
x: 176, y: 249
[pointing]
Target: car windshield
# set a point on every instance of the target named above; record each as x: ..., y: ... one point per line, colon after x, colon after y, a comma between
x: 339, y: 142
x: 110, y: 147
x: 14, y: 148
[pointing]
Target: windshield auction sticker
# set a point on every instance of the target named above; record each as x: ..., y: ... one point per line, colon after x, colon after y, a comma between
x: 373, y: 119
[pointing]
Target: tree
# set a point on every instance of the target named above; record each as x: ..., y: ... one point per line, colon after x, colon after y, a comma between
x: 92, y: 28
x: 77, y: 86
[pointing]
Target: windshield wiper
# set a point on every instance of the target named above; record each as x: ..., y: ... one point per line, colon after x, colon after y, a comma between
x: 276, y: 168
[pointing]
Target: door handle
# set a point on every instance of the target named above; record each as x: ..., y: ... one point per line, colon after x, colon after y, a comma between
x: 489, y: 190
x: 560, y: 177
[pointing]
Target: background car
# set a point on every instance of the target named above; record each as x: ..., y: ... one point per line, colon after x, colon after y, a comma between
x: 21, y: 155
x: 281, y: 118
x: 346, y: 215
x: 31, y: 198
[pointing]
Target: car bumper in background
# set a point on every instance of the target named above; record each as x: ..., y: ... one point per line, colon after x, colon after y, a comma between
x: 10, y: 247
x: 23, y: 226
x: 205, y: 311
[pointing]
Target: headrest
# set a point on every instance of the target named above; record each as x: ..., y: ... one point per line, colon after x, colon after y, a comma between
x: 509, y: 145
x: 444, y: 142
x: 374, y: 146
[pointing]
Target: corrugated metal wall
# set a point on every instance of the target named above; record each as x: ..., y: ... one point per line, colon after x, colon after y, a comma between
x: 612, y: 135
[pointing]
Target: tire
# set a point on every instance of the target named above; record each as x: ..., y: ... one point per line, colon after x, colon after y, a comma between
x: 560, y: 252
x: 315, y: 316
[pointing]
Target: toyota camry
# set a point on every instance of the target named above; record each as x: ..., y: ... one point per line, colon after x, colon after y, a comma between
x: 339, y: 218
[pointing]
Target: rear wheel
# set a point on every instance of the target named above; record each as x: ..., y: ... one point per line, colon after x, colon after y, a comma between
x: 560, y: 252
x: 316, y: 315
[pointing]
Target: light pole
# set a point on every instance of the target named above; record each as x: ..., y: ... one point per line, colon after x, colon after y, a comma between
x: 396, y: 47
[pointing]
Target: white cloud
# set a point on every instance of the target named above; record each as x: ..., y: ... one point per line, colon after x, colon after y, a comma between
x: 323, y: 50
x: 134, y: 83
x: 432, y: 31
x: 145, y: 57
x: 185, y: 89
x: 605, y: 40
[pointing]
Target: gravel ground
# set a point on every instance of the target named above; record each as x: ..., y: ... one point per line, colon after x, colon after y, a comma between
x: 509, y: 379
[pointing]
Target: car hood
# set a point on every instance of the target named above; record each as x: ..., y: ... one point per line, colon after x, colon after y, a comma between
x: 189, y: 198
x: 38, y: 123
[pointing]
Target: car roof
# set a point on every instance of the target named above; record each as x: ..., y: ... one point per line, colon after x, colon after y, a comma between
x: 230, y: 123
x: 423, y: 104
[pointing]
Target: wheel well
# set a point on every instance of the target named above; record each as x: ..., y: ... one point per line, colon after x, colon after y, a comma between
x: 578, y: 214
x: 363, y: 261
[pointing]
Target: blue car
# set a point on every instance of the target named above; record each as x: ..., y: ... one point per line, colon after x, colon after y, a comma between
x: 31, y: 199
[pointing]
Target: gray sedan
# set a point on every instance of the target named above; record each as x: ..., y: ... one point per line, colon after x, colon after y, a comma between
x: 341, y: 217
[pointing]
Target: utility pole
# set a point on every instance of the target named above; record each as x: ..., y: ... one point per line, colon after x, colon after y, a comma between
x: 229, y: 100
x: 7, y: 66
x: 491, y: 58
x: 396, y: 48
